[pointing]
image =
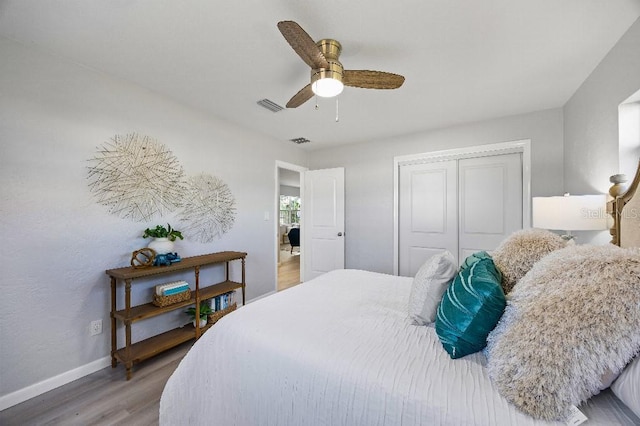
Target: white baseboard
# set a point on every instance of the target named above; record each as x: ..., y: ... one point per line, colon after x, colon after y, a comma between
x: 39, y: 388
x: 36, y: 389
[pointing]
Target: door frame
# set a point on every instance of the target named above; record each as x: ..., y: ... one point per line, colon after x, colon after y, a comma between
x: 276, y: 215
x: 519, y: 146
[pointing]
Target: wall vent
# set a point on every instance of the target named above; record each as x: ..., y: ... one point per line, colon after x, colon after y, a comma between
x: 270, y: 105
x: 299, y: 140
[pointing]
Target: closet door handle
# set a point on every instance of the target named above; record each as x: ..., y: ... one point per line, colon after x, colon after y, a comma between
x: 339, y: 234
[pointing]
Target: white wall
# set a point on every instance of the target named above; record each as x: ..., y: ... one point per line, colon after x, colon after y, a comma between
x: 591, y: 137
x: 591, y: 117
x: 369, y: 175
x: 57, y: 241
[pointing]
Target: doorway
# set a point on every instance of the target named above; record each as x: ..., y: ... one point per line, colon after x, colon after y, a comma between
x: 289, y: 206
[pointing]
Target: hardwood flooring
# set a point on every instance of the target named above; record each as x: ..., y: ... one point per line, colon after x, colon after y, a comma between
x: 289, y: 268
x: 102, y: 398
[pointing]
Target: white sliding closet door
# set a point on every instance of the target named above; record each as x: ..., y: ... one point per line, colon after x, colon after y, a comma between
x: 428, y: 213
x: 490, y: 201
x: 462, y: 205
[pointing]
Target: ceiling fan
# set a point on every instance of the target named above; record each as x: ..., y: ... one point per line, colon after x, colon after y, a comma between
x: 328, y: 77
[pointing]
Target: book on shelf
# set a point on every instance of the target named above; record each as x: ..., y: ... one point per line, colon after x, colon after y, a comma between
x: 171, y: 288
x: 222, y: 301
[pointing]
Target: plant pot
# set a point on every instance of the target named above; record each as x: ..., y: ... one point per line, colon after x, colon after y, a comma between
x: 203, y: 322
x: 161, y: 245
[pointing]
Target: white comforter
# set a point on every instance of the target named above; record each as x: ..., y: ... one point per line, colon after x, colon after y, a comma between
x: 338, y: 350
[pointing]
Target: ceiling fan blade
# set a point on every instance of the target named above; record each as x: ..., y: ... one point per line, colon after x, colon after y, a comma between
x: 301, y: 97
x: 303, y: 44
x: 372, y: 79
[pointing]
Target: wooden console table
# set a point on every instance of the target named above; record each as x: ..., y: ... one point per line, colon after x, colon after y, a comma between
x: 132, y: 353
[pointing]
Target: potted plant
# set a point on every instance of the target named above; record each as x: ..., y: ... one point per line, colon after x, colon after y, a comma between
x: 205, y: 310
x: 163, y: 238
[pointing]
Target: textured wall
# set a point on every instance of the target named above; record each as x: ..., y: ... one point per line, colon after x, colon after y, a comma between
x: 591, y: 134
x: 369, y: 175
x: 591, y: 117
x: 57, y: 242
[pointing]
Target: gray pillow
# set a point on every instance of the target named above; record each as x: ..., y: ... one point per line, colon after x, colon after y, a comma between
x: 429, y: 284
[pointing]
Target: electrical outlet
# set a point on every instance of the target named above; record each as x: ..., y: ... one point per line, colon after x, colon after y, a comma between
x: 95, y: 327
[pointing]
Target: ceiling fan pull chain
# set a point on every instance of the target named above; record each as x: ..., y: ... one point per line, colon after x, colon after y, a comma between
x: 317, y: 107
x: 337, y: 111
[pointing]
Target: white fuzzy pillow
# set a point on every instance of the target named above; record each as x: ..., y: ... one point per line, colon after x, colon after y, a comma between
x: 573, y: 317
x: 517, y: 253
x: 429, y: 284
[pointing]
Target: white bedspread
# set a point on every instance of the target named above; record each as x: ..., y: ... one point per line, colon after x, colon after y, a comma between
x: 338, y: 350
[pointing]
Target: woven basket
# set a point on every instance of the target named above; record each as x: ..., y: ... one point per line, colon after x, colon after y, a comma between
x: 162, y: 301
x: 214, y: 317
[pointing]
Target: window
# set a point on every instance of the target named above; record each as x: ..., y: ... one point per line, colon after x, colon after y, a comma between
x: 629, y: 134
x: 289, y: 209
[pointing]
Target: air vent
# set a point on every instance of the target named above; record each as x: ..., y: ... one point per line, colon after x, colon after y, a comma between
x: 299, y: 140
x: 270, y: 105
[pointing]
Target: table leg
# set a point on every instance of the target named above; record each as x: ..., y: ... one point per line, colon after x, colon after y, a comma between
x: 114, y: 337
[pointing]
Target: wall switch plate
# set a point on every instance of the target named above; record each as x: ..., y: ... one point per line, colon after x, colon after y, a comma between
x: 95, y: 327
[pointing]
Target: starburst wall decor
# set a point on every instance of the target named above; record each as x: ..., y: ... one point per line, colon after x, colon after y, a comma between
x: 208, y: 208
x: 136, y: 177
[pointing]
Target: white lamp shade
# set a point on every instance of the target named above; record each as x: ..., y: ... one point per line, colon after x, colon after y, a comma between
x: 327, y: 87
x: 570, y: 212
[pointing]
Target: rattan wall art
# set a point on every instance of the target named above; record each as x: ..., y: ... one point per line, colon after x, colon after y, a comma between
x: 136, y: 177
x: 208, y: 208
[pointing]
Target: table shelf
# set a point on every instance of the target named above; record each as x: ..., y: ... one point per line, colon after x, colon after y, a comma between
x: 132, y: 352
x: 159, y: 343
x: 149, y: 310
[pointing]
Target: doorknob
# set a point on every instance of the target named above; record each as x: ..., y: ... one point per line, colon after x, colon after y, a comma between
x: 339, y: 234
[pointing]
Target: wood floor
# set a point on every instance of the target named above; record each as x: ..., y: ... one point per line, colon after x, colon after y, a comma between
x: 289, y: 268
x: 102, y: 398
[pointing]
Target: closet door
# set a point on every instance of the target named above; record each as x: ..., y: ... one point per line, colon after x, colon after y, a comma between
x: 427, y: 214
x: 490, y: 201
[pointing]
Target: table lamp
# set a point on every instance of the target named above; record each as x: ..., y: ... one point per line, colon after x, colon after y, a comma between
x: 570, y: 213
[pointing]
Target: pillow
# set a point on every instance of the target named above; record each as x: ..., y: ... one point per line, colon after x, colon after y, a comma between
x: 627, y: 386
x: 470, y: 260
x: 428, y: 285
x: 517, y: 253
x: 571, y: 319
x: 470, y: 309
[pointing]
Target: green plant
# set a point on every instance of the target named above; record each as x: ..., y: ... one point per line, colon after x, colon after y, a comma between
x: 205, y: 310
x: 162, y: 232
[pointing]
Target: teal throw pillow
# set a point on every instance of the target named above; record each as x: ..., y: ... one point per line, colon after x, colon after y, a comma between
x: 470, y: 260
x: 470, y: 308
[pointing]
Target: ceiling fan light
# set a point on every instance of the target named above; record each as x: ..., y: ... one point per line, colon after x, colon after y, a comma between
x: 327, y: 82
x: 327, y: 87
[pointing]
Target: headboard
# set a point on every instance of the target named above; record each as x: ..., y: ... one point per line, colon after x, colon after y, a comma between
x: 625, y: 209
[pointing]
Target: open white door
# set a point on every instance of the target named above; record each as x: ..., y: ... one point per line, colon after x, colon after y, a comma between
x: 323, y: 221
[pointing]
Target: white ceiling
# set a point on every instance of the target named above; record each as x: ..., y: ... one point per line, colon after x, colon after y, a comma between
x: 463, y: 60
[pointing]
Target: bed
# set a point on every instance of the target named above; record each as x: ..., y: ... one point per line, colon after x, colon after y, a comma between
x: 341, y: 350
